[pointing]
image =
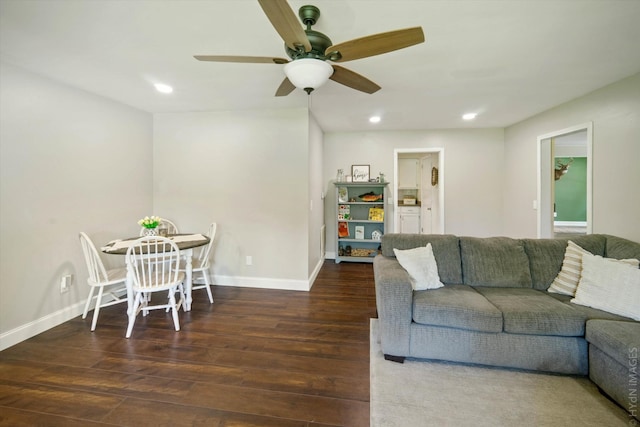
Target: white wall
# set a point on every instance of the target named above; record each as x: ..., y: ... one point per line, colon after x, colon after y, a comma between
x: 316, y: 199
x: 473, y: 172
x: 248, y: 171
x: 70, y: 161
x: 615, y: 113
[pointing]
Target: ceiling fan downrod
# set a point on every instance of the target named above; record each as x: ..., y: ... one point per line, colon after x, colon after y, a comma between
x: 319, y: 42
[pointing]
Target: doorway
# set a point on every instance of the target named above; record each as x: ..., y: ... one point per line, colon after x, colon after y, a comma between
x: 555, y: 151
x: 429, y: 190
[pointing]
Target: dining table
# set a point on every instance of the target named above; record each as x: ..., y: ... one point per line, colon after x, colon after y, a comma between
x: 185, y: 242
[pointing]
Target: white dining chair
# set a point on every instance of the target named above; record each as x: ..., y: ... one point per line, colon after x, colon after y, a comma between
x: 171, y: 227
x: 112, y: 281
x: 201, y: 264
x: 153, y: 265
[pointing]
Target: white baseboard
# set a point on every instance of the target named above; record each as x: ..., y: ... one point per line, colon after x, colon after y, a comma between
x: 261, y: 282
x: 315, y: 272
x: 570, y: 223
x: 31, y: 329
x: 264, y: 282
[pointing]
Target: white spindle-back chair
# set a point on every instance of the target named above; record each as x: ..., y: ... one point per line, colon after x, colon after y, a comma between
x: 111, y: 281
x: 153, y: 265
x: 202, y: 263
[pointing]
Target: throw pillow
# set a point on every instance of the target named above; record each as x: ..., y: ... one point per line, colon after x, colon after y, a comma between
x: 421, y: 266
x: 567, y: 280
x: 610, y: 286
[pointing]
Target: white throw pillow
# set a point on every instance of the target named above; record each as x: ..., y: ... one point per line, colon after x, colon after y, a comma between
x: 610, y: 286
x: 567, y: 280
x: 421, y: 266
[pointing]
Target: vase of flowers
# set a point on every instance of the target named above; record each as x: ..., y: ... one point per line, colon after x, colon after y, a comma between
x: 150, y: 225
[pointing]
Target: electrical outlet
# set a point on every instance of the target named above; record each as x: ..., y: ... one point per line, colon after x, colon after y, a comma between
x: 249, y: 260
x: 65, y: 283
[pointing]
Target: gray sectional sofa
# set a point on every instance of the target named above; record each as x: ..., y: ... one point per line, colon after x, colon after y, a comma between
x: 495, y: 309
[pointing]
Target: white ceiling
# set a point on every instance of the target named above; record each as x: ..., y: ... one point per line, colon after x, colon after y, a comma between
x: 505, y: 60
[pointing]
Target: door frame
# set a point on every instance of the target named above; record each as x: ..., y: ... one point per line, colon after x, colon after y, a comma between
x: 441, y: 182
x: 546, y: 181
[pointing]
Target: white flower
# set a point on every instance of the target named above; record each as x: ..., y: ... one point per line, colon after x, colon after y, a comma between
x: 150, y: 222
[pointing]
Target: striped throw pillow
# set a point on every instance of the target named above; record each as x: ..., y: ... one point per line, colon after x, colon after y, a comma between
x: 566, y: 282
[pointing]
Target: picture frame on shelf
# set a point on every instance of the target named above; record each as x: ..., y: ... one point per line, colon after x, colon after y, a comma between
x: 343, y: 229
x: 343, y: 195
x: 376, y: 214
x: 344, y: 212
x: 360, y: 173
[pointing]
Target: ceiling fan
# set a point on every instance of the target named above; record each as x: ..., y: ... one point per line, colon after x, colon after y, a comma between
x: 310, y: 50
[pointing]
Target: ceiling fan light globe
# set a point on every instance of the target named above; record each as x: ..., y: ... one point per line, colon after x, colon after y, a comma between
x: 308, y: 73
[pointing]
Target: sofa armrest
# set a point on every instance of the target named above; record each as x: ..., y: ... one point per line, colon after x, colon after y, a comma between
x: 394, y: 300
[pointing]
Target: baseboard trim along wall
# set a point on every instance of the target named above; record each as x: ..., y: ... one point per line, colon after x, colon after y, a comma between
x: 570, y: 223
x: 40, y: 325
x: 267, y: 282
x: 261, y: 282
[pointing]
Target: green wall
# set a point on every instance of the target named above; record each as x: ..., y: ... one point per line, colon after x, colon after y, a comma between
x: 571, y: 191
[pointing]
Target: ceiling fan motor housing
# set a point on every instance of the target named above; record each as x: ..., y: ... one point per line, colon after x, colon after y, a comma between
x: 319, y: 44
x: 309, y: 15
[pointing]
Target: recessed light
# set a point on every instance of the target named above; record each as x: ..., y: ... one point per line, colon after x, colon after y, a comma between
x: 469, y: 116
x: 163, y: 88
x: 374, y: 119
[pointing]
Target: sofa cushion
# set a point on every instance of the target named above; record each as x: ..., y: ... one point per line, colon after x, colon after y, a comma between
x: 588, y: 312
x: 615, y: 338
x: 533, y: 312
x: 494, y: 261
x: 545, y: 260
x: 446, y: 250
x: 594, y: 243
x: 546, y: 255
x: 456, y: 306
x: 619, y: 248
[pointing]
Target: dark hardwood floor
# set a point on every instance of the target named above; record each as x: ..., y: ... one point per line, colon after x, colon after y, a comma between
x: 255, y: 357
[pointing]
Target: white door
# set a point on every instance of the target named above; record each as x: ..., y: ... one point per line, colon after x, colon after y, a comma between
x: 426, y: 195
x: 545, y: 205
x: 410, y: 223
x: 407, y: 173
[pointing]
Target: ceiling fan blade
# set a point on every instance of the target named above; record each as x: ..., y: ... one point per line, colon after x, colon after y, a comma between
x: 250, y: 59
x: 286, y: 87
x: 353, y: 80
x: 376, y: 44
x: 284, y: 20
